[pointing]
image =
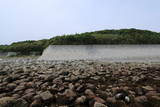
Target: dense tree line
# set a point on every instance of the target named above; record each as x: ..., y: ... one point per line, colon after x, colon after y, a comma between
x: 123, y: 36
x: 25, y: 47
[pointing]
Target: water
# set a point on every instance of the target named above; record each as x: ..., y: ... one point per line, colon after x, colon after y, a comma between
x: 115, y: 53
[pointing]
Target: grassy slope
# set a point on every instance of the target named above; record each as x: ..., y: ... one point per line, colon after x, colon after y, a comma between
x: 123, y: 36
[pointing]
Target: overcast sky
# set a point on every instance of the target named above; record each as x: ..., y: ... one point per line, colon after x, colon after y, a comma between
x: 38, y: 19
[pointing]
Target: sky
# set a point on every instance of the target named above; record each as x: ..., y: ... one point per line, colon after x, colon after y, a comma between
x: 41, y: 19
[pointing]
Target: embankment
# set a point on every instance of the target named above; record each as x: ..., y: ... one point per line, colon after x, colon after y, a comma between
x: 113, y: 53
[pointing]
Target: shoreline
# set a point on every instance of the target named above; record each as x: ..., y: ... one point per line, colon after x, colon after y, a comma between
x: 80, y: 83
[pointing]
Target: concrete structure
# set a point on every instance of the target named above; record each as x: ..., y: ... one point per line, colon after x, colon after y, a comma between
x: 102, y: 52
x: 12, y: 54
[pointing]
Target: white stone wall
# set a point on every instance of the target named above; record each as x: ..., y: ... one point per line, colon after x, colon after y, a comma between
x: 102, y: 52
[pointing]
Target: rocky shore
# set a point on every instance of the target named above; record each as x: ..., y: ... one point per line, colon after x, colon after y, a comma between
x: 32, y: 83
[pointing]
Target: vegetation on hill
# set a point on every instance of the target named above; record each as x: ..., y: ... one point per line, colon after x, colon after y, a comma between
x: 123, y: 36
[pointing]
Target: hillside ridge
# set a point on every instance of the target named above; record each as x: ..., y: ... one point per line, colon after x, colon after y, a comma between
x: 122, y: 36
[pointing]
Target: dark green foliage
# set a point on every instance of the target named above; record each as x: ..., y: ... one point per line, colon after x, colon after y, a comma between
x: 77, y: 39
x: 123, y: 36
x: 25, y: 47
x: 3, y: 48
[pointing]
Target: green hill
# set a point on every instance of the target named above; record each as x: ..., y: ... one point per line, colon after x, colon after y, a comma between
x: 122, y: 36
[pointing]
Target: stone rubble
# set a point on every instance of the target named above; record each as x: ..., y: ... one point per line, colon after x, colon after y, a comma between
x: 33, y: 83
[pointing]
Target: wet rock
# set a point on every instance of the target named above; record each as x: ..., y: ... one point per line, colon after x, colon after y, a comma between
x: 96, y: 104
x: 28, y: 97
x: 57, y: 81
x: 90, y: 86
x: 65, y: 73
x: 37, y: 97
x: 91, y: 102
x: 83, y: 76
x: 71, y: 86
x: 44, y: 86
x: 141, y: 99
x: 152, y: 93
x: 99, y: 100
x: 80, y: 100
x: 30, y: 90
x: 102, y: 94
x: 157, y: 78
x: 46, y: 96
x: 8, y: 79
x: 36, y: 103
x: 20, y: 92
x: 133, y: 93
x: 155, y: 101
x: 96, y: 78
x: 61, y: 88
x: 135, y: 104
x: 80, y: 88
x: 38, y: 83
x: 15, y: 77
x: 18, y: 71
x: 127, y: 99
x: 21, y: 103
x: 11, y: 78
x: 115, y: 90
x: 67, y: 97
x: 93, y: 98
x: 16, y: 96
x: 89, y: 93
x: 30, y: 85
x: 76, y: 73
x: 3, y: 72
x: 19, y: 88
x: 51, y: 66
x: 7, y: 102
x: 139, y: 91
x: 135, y: 78
x: 147, y: 88
x: 71, y: 79
x: 124, y: 88
x: 3, y: 95
x: 49, y: 77
x: 118, y: 104
x: 111, y: 100
x: 121, y: 96
x: 116, y: 72
x: 11, y: 86
x: 62, y: 100
x: 69, y: 93
x: 60, y: 106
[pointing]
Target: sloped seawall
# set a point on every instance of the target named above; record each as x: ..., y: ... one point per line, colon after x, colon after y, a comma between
x: 102, y: 52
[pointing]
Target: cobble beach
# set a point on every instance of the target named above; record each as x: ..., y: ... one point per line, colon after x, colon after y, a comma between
x: 28, y: 82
